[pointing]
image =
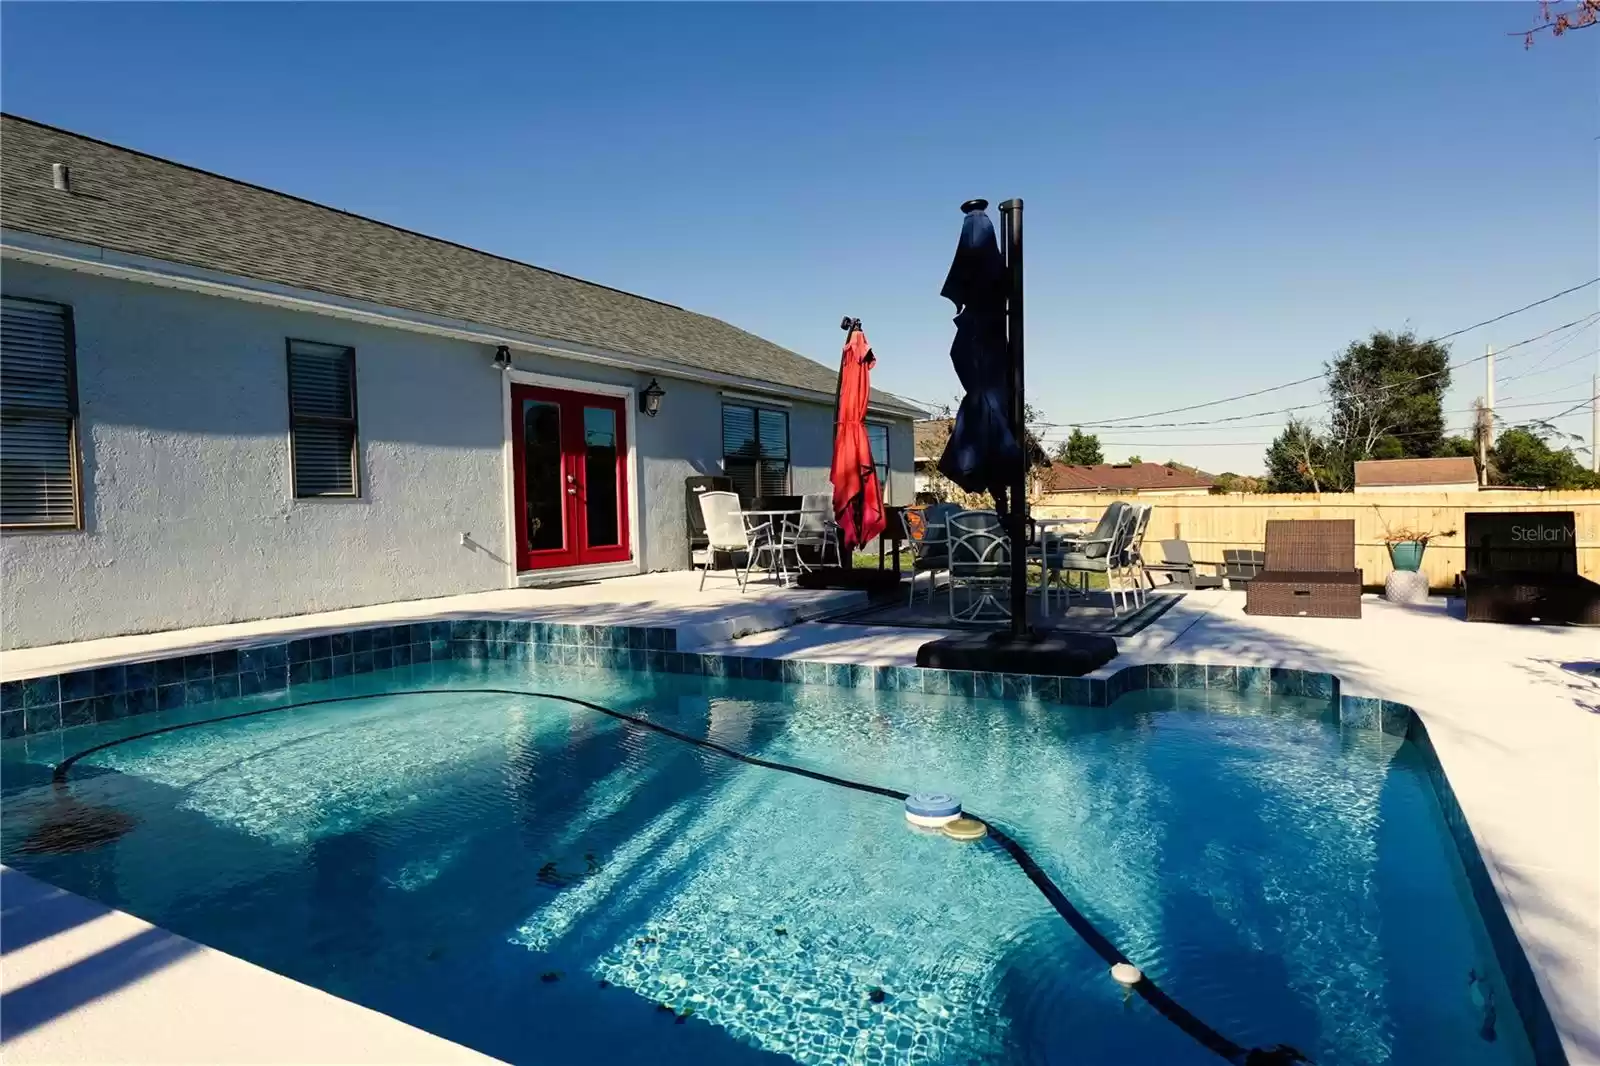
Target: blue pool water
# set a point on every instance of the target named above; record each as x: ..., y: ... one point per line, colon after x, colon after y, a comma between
x: 549, y: 885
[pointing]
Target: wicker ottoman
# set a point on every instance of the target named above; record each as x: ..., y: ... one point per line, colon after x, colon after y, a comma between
x: 1314, y: 594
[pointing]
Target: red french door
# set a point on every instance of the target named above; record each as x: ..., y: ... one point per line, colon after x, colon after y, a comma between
x: 570, y: 459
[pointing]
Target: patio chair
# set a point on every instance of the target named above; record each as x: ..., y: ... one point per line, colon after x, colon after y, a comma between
x: 1241, y: 565
x: 817, y: 531
x: 725, y: 533
x: 1311, y: 570
x: 1141, y: 522
x: 1180, y: 568
x: 763, y: 543
x: 928, y: 528
x: 980, y: 565
x: 1104, y: 551
x: 1522, y: 568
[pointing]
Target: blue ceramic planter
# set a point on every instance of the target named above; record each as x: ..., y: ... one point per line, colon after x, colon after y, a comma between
x: 1407, y: 554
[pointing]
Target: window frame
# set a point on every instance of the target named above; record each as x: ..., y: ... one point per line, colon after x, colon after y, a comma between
x: 357, y: 482
x: 887, y: 471
x: 72, y: 416
x: 756, y: 408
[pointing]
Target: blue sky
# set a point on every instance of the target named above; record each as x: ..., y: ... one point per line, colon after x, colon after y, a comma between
x: 1218, y: 197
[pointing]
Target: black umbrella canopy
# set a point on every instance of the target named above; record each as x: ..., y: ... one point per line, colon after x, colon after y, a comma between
x: 982, y: 454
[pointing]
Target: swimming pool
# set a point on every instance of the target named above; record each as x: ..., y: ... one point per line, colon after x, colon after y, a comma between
x: 547, y: 884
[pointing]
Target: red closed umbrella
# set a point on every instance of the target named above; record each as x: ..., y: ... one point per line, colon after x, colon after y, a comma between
x: 857, y: 496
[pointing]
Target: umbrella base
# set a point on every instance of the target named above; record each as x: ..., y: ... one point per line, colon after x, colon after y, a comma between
x: 1051, y: 654
x: 875, y: 582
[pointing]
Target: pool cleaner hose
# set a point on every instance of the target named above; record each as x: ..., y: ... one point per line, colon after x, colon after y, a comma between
x: 1165, y: 1005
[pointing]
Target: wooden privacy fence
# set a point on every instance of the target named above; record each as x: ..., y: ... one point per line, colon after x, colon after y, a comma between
x: 1211, y: 523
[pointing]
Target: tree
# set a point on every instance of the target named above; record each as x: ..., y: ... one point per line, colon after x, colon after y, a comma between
x: 1386, y: 395
x: 1297, y: 461
x: 1134, y: 460
x: 1558, y: 21
x: 1387, y: 398
x: 1080, y: 449
x: 1228, y: 482
x: 1523, y: 456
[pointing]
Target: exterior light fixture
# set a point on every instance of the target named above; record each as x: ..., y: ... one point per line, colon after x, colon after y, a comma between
x: 502, y: 358
x: 650, y: 398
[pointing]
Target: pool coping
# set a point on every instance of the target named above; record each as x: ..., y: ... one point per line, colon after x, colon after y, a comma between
x: 40, y: 706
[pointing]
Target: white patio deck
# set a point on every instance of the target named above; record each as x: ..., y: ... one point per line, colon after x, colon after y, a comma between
x: 673, y: 600
x: 1513, y: 712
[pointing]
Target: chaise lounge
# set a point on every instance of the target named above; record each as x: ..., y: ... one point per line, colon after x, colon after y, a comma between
x: 1311, y: 571
x: 1522, y: 567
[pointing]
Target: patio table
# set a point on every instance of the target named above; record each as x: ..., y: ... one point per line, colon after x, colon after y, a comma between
x: 780, y: 517
x: 1044, y: 525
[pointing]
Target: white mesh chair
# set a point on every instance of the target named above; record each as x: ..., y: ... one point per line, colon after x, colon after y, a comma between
x: 725, y: 532
x: 1135, y: 571
x: 817, y: 529
x: 980, y: 566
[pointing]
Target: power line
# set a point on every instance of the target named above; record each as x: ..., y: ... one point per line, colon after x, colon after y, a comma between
x: 1317, y: 403
x: 1317, y: 377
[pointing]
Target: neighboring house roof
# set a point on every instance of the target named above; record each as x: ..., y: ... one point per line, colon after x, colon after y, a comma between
x: 1123, y: 477
x: 139, y: 204
x: 931, y: 435
x: 1457, y: 470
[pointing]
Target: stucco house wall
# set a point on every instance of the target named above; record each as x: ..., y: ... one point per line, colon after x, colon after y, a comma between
x: 190, y: 517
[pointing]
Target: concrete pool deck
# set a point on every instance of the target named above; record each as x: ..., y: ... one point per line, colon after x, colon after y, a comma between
x: 672, y: 600
x: 1513, y: 713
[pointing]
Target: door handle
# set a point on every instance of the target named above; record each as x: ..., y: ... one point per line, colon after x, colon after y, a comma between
x: 572, y: 492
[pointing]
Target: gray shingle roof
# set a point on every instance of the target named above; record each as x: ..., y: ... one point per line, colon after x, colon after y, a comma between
x: 139, y: 204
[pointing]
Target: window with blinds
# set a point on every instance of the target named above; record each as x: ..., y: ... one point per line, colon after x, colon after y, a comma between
x: 755, y: 450
x: 322, y: 420
x: 38, y: 417
x: 878, y: 438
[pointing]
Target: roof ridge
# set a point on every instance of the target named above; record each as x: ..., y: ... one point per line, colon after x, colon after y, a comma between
x: 341, y: 211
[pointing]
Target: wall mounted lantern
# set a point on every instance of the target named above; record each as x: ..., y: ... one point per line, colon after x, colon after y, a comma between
x: 650, y: 398
x: 502, y: 358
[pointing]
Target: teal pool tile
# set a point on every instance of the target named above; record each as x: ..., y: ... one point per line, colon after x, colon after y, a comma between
x: 321, y: 669
x: 1045, y: 689
x: 41, y: 718
x: 817, y: 673
x: 227, y: 686
x: 13, y: 724
x: 1075, y: 691
x: 1223, y: 677
x: 361, y: 662
x: 794, y: 671
x: 1316, y: 685
x: 1097, y: 692
x: 1188, y: 676
x: 78, y: 685
x: 342, y: 643
x: 908, y: 679
x: 436, y: 631
x: 1395, y: 718
x: 225, y: 662
x: 171, y: 697
x: 755, y: 668
x: 340, y: 665
x: 197, y: 692
x: 142, y: 700
x: 382, y: 659
x: 41, y: 692
x: 1360, y: 712
x: 360, y: 641
x: 1254, y: 679
x: 1286, y: 682
x: 140, y: 675
x: 962, y: 682
x: 588, y: 654
x: 81, y: 712
x: 1014, y: 686
x: 106, y: 708
x: 935, y: 681
x: 170, y: 671
x: 1159, y: 676
x: 11, y: 695
x: 656, y: 638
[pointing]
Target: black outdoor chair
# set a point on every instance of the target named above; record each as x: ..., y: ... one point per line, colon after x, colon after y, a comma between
x: 1180, y: 568
x: 1522, y: 567
x: 1240, y: 565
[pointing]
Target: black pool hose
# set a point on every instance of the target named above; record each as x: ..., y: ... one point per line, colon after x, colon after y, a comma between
x: 1165, y: 1005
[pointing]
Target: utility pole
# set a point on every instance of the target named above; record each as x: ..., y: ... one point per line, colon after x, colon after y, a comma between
x: 1594, y: 426
x: 1486, y: 417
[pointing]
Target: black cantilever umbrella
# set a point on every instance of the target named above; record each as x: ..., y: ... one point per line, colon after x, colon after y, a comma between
x: 982, y: 454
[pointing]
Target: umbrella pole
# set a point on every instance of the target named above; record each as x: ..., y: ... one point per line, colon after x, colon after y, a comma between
x: 1011, y: 239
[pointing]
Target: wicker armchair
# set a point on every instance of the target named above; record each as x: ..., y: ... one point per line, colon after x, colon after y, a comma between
x: 1311, y: 570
